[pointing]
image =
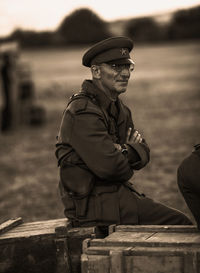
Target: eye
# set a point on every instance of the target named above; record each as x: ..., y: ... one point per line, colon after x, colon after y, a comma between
x: 117, y: 67
x: 120, y: 67
x: 114, y: 66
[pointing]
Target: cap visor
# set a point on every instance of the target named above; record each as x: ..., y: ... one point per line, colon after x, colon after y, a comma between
x: 121, y: 61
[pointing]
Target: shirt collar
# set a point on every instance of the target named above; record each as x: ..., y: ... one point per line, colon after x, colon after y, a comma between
x: 89, y: 87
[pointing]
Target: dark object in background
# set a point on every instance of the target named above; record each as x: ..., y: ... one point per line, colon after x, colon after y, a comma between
x: 37, y: 115
x: 6, y: 71
x: 30, y: 112
x: 26, y: 91
x: 18, y: 91
x: 189, y: 182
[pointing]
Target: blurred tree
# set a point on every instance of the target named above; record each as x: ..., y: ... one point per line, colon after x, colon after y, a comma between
x: 143, y: 29
x: 185, y: 24
x: 83, y: 27
x: 33, y: 38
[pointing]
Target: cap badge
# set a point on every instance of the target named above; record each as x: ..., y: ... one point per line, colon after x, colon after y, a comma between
x: 123, y: 51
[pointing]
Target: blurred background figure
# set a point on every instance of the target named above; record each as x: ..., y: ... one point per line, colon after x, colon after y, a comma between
x: 8, y: 76
x: 30, y: 113
x: 189, y: 182
x: 6, y: 86
x: 19, y: 104
x: 26, y: 91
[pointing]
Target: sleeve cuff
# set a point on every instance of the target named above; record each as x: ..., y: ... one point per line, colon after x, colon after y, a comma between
x: 138, y: 155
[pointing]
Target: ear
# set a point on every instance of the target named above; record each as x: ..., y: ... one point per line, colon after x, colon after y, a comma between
x: 96, y: 72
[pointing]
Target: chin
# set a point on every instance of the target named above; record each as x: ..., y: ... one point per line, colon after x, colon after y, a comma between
x: 121, y: 90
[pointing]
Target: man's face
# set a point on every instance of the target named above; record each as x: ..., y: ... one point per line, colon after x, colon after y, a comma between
x: 114, y: 80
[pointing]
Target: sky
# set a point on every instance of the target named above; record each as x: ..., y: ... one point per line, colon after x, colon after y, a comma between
x: 41, y: 15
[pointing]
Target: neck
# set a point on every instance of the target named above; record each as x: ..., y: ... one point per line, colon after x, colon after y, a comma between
x: 111, y: 95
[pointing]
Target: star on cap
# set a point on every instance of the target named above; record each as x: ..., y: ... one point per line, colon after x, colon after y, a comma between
x: 123, y: 51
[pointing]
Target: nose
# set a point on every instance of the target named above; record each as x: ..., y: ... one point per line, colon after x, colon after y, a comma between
x: 125, y: 72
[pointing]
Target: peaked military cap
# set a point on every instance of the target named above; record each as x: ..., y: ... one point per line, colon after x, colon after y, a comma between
x: 109, y: 50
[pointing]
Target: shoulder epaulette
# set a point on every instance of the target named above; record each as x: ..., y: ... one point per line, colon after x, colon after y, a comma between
x: 82, y: 104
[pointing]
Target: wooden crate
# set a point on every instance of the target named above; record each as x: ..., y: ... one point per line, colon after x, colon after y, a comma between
x: 43, y: 246
x: 144, y: 249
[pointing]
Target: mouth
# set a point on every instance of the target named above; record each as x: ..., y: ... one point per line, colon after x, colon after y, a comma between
x: 123, y: 82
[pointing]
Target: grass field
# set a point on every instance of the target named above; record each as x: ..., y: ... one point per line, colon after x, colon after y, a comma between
x: 164, y: 96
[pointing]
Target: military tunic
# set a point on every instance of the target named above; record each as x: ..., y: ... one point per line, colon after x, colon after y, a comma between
x: 94, y: 171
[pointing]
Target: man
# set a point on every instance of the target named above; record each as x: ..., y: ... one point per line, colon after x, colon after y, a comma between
x: 98, y: 147
x: 189, y: 182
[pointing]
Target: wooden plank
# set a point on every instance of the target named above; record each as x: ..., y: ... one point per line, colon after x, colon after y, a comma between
x: 34, y: 238
x: 155, y: 228
x: 140, y: 250
x: 183, y: 259
x: 85, y: 244
x: 27, y: 234
x: 63, y: 264
x: 121, y: 238
x: 174, y: 239
x: 4, y: 227
x: 116, y: 261
x: 42, y: 225
x: 98, y: 264
x: 84, y: 263
x: 157, y: 251
x: 151, y: 259
x: 45, y: 223
x: 157, y: 264
x: 81, y: 231
x: 34, y: 230
x: 191, y: 264
x: 149, y: 239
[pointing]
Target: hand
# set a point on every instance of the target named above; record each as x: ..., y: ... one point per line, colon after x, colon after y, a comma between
x: 133, y: 138
x: 118, y: 146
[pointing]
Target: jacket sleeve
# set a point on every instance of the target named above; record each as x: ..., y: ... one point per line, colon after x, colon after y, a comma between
x: 86, y: 132
x: 138, y: 155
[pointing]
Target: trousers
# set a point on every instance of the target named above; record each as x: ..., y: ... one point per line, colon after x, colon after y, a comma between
x: 149, y: 211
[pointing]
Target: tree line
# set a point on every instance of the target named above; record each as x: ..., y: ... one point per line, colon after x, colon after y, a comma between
x: 83, y: 26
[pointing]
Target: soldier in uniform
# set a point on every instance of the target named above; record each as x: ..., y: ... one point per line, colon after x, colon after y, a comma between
x: 98, y: 147
x: 188, y: 177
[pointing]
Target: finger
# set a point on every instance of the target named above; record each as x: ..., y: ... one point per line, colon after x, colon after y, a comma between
x: 128, y: 134
x: 138, y: 138
x: 135, y: 135
x: 140, y: 141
